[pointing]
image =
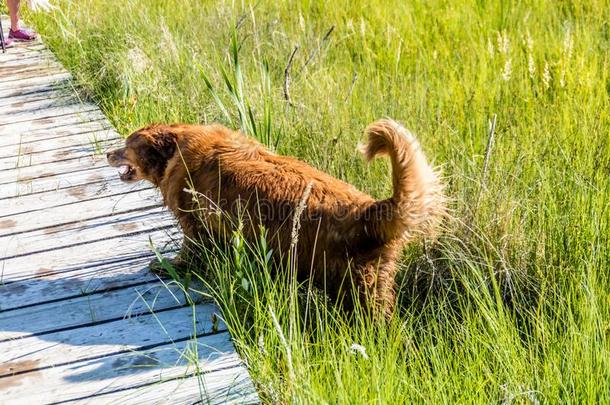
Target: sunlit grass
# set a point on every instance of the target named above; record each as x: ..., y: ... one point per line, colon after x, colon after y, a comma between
x: 513, y: 303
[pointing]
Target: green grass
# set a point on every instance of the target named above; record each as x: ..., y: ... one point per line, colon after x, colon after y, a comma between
x: 513, y: 304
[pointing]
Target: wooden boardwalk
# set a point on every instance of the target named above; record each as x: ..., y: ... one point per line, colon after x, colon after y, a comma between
x: 82, y: 320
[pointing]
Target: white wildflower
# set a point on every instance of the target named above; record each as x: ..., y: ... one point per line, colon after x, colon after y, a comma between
x: 567, y: 55
x: 356, y: 348
x: 546, y: 76
x: 167, y: 42
x: 531, y: 65
x: 512, y: 394
x: 507, y: 70
x: 137, y: 59
x: 490, y: 48
x: 261, y: 344
x: 568, y: 44
x: 503, y: 43
x: 529, y: 42
x: 503, y: 48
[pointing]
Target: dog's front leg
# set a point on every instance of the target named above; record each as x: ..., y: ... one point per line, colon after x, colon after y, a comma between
x: 181, y: 263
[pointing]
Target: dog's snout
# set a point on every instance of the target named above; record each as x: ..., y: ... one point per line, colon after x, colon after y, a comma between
x: 114, y: 155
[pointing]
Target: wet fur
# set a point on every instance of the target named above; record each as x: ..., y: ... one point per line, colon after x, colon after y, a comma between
x: 346, y: 237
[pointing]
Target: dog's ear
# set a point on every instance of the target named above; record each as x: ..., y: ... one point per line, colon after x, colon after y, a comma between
x: 165, y: 144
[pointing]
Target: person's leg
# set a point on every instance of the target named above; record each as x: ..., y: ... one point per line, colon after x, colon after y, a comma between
x: 13, y: 11
x: 16, y: 32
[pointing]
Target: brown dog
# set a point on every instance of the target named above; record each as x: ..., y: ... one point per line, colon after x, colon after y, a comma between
x: 345, y: 237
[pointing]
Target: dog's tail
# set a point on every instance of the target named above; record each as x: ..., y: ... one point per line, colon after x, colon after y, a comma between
x: 417, y: 205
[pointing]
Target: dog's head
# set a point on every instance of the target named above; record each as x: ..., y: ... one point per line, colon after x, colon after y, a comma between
x: 145, y: 154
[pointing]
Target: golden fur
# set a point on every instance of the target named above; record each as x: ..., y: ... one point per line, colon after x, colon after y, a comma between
x: 345, y: 237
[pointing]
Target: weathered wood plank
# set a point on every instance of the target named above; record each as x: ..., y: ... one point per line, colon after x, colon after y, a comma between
x: 10, y: 69
x: 24, y: 58
x: 16, y: 105
x: 83, y: 211
x: 37, y: 85
x: 21, y: 100
x: 89, y: 309
x: 50, y: 112
x: 55, y: 198
x: 17, y: 55
x: 54, y: 77
x: 45, y: 120
x: 225, y: 386
x: 67, y: 126
x: 122, y: 335
x: 39, y: 57
x: 85, y: 255
x: 88, y: 135
x: 22, y: 50
x: 15, y: 77
x: 9, y: 111
x: 29, y: 157
x: 70, y: 166
x: 123, y: 371
x: 124, y: 225
x: 17, y: 73
x: 49, y: 285
x: 56, y: 182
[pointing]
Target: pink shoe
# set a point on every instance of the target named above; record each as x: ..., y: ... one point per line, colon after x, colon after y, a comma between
x: 8, y: 43
x: 22, y: 34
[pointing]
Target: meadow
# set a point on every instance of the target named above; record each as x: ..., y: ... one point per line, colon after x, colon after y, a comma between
x: 510, y: 99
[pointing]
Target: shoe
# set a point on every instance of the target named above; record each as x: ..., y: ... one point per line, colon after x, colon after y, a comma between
x: 22, y: 34
x: 8, y: 43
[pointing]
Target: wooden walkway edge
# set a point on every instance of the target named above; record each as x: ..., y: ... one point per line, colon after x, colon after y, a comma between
x: 82, y: 320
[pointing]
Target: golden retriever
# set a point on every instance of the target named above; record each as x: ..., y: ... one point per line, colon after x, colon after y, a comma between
x: 341, y: 238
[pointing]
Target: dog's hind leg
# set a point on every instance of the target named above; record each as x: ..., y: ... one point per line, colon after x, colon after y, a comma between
x: 376, y: 288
